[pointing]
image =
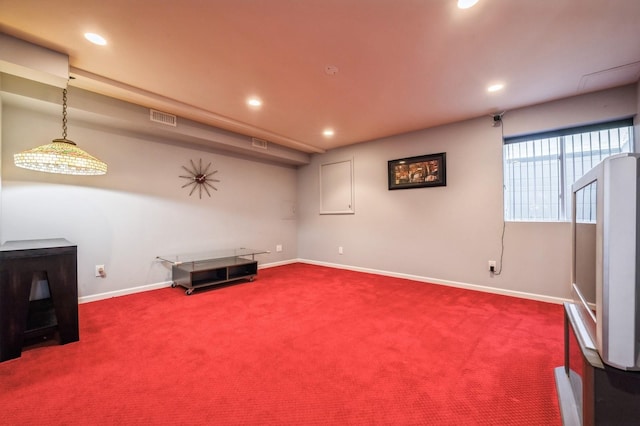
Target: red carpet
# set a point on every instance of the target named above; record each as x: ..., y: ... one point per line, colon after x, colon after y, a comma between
x: 301, y: 345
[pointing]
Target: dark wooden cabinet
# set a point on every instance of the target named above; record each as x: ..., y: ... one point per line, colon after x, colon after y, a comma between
x: 22, y: 321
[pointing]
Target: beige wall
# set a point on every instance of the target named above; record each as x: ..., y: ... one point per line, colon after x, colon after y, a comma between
x: 449, y: 234
x: 138, y: 210
x: 637, y: 120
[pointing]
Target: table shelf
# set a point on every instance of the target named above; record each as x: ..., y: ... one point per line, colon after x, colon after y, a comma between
x: 193, y: 271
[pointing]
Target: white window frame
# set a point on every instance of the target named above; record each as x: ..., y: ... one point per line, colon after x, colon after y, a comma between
x: 536, y: 185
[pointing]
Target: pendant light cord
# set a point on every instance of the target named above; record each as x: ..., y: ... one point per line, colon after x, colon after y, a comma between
x: 64, y: 114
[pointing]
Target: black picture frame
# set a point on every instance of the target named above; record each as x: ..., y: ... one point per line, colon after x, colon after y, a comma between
x: 418, y: 172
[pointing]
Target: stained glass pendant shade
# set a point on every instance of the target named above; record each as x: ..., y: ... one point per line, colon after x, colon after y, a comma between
x: 61, y: 155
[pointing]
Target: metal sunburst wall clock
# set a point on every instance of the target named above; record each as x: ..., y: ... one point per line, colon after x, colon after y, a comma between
x: 199, y: 178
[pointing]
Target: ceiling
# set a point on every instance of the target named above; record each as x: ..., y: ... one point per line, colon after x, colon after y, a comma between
x: 401, y: 65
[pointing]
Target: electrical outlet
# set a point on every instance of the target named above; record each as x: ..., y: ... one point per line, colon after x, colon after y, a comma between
x: 279, y: 248
x: 340, y: 250
x: 100, y: 271
x: 492, y: 266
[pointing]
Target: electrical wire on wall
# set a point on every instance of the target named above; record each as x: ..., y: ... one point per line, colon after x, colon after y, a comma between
x: 498, y: 122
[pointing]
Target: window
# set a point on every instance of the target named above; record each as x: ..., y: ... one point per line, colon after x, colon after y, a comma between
x: 539, y: 169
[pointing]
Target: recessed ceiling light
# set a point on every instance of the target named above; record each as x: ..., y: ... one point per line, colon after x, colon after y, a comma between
x: 254, y: 102
x: 466, y: 4
x: 95, y: 39
x: 328, y: 132
x: 495, y: 87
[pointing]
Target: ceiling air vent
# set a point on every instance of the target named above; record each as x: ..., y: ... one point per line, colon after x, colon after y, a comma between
x: 259, y: 143
x: 163, y: 118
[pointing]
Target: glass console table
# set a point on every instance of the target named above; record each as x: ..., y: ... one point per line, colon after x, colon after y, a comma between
x: 197, y: 270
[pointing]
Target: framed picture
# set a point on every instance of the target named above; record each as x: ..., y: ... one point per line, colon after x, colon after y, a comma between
x: 418, y: 172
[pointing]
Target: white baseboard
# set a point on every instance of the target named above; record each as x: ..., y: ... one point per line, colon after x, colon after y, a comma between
x: 281, y: 263
x: 485, y: 289
x: 155, y: 286
x: 118, y: 293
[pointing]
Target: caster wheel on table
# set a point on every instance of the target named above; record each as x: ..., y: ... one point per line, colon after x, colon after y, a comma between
x: 174, y: 285
x: 188, y: 292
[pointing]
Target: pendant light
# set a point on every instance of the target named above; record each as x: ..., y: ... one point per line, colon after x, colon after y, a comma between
x: 61, y: 155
